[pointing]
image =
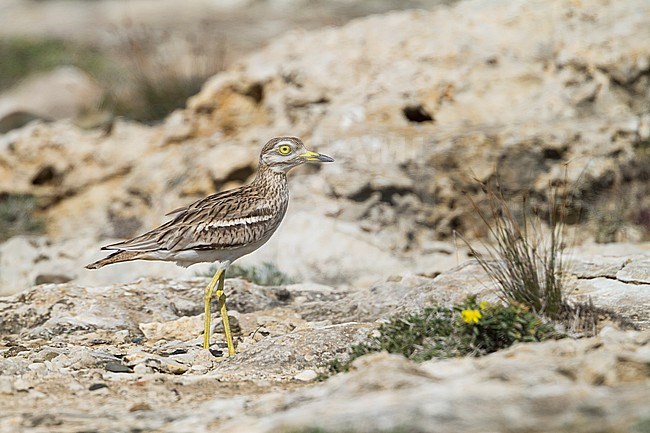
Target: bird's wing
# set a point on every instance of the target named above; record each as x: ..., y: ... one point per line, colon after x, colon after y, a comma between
x: 219, y: 221
x: 213, y: 198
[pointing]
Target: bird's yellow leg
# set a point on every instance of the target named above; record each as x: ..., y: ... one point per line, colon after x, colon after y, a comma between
x: 207, y: 298
x: 221, y: 297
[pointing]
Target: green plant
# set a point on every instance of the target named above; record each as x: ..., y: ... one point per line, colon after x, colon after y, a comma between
x: 17, y: 216
x: 146, y: 75
x: 470, y: 328
x: 642, y: 147
x: 23, y: 56
x: 266, y: 274
x: 526, y: 260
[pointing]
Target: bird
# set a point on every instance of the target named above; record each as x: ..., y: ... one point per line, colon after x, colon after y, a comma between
x: 222, y: 227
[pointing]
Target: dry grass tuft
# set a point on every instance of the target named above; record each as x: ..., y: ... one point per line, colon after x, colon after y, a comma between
x: 526, y: 256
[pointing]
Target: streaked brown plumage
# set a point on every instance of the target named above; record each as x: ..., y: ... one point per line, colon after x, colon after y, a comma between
x: 220, y: 227
x: 225, y: 226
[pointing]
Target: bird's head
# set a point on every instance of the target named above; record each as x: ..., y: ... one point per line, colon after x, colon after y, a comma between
x: 281, y: 154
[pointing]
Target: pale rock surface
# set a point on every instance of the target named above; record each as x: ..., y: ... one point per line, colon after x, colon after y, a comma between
x: 26, y: 261
x: 128, y: 356
x: 336, y: 251
x: 514, y: 390
x: 63, y: 93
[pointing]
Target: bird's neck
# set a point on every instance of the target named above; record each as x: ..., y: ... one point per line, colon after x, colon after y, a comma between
x: 266, y: 175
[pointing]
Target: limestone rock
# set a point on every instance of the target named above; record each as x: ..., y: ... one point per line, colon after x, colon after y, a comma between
x: 63, y: 93
x: 171, y: 330
x: 308, y: 247
x: 106, y: 351
x: 26, y: 261
x: 387, y: 392
x: 635, y: 272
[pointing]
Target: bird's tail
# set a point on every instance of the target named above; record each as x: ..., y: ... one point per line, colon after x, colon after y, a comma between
x: 116, y: 257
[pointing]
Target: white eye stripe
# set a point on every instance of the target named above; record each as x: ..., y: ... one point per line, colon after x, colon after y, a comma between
x: 236, y: 222
x: 285, y: 143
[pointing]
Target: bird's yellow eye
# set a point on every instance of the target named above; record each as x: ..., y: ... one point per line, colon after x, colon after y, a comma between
x: 285, y: 149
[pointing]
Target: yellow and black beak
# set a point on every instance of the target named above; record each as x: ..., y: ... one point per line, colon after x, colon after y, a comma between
x: 314, y: 156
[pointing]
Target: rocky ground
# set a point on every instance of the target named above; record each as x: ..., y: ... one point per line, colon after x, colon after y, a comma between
x: 127, y: 358
x: 415, y: 107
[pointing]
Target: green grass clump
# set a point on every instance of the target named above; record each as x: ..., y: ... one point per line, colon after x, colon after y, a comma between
x: 24, y: 56
x: 141, y: 80
x: 17, y: 216
x: 266, y: 274
x: 467, y: 329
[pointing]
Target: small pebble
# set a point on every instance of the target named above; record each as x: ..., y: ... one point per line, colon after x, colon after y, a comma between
x: 38, y: 367
x: 166, y: 365
x: 216, y: 352
x: 122, y: 336
x: 21, y: 384
x: 75, y: 386
x: 199, y: 368
x: 306, y: 376
x: 6, y: 386
x: 142, y: 369
x: 36, y: 394
x: 139, y: 407
x: 96, y: 386
x: 117, y: 367
x: 46, y: 355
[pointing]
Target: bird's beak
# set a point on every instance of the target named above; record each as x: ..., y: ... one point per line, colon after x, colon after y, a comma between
x: 314, y: 156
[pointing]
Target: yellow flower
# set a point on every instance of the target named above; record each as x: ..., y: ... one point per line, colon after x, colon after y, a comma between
x: 471, y: 316
x: 483, y: 305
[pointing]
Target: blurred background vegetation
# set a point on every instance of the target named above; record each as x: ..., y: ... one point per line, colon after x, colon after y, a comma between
x: 140, y: 82
x: 148, y: 59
